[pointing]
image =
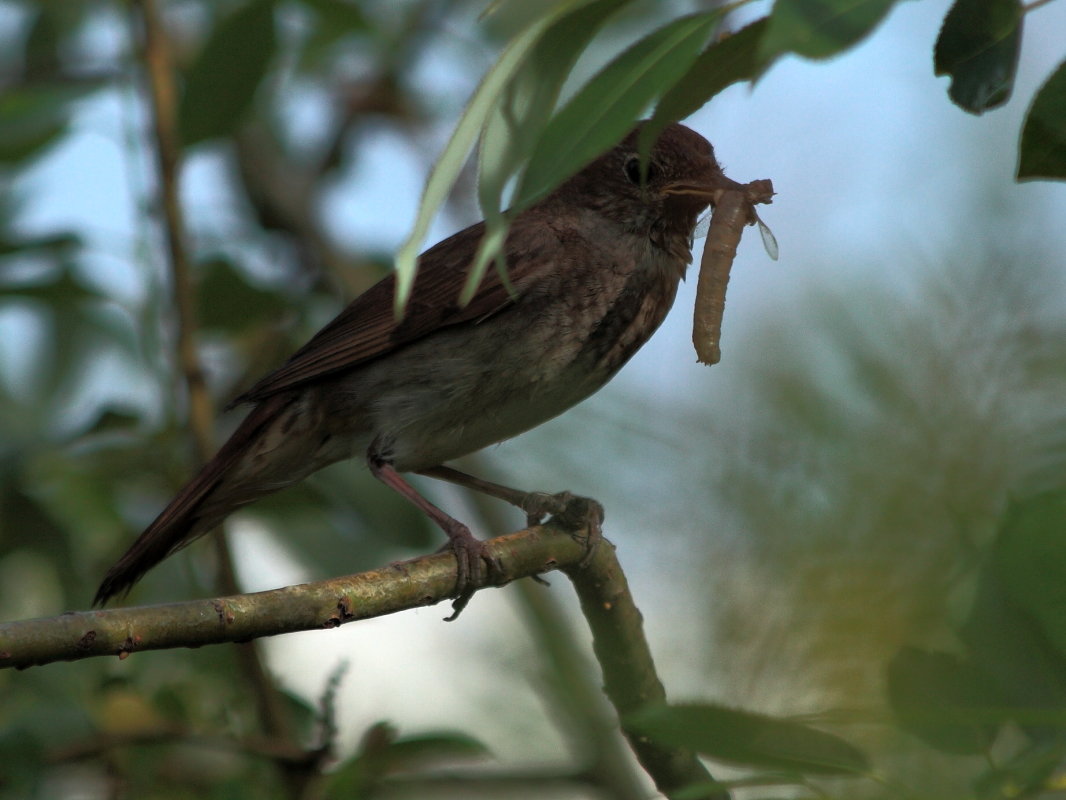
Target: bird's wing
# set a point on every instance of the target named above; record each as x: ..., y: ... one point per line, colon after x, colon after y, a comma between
x: 368, y: 328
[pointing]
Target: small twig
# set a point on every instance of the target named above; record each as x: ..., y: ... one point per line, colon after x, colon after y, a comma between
x: 155, y: 52
x: 162, y: 92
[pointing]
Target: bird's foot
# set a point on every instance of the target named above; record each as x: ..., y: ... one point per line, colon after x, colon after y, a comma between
x: 475, y: 564
x: 572, y: 511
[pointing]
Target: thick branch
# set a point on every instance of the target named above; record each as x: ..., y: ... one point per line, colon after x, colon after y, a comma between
x: 629, y: 677
x: 325, y: 604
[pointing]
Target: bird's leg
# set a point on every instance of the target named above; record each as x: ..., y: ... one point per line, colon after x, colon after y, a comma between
x: 469, y: 551
x: 572, y: 510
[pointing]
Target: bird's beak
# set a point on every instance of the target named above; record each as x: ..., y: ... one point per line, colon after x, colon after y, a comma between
x: 708, y: 186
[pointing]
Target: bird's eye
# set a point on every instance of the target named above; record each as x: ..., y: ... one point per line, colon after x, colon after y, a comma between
x: 632, y: 170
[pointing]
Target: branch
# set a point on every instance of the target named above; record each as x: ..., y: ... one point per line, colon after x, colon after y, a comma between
x: 630, y: 680
x: 238, y: 618
x: 162, y: 95
x: 629, y: 677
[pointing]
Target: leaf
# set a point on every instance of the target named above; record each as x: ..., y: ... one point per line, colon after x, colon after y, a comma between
x: 978, y: 47
x: 448, y: 166
x: 819, y: 28
x: 725, y: 62
x: 938, y: 697
x: 221, y: 84
x: 417, y: 751
x: 228, y: 302
x: 54, y: 245
x: 335, y: 21
x: 606, y: 108
x: 1012, y: 650
x: 744, y: 737
x: 33, y: 118
x: 516, y: 122
x: 1030, y: 555
x: 518, y: 119
x: 382, y: 753
x: 1042, y: 151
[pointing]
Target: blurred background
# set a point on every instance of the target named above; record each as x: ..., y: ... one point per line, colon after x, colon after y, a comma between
x: 807, y: 526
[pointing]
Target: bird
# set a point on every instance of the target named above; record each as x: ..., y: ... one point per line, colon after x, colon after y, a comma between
x: 593, y: 269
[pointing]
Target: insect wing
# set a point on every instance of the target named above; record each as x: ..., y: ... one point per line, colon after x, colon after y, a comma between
x: 769, y: 241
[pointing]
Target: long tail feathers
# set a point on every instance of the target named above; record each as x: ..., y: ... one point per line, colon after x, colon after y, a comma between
x: 180, y: 522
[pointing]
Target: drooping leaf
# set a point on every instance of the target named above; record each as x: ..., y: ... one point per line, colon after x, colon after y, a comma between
x: 450, y: 162
x: 221, y: 84
x: 743, y: 737
x: 978, y: 47
x: 1042, y: 152
x: 819, y: 28
x: 521, y: 114
x: 606, y: 107
x: 526, y: 106
x: 725, y: 62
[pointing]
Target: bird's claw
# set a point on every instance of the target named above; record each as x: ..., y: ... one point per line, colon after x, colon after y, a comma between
x: 572, y: 511
x: 476, y: 566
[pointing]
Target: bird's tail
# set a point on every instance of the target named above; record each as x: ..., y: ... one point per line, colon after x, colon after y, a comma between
x: 197, y: 508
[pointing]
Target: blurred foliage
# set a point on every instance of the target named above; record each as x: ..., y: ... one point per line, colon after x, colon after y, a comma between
x: 900, y: 499
x: 80, y: 475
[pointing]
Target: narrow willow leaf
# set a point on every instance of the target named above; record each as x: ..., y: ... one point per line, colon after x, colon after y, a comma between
x: 727, y: 61
x: 605, y: 109
x: 744, y: 737
x: 521, y: 114
x: 448, y: 166
x: 528, y: 101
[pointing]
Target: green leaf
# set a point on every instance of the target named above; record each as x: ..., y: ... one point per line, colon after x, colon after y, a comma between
x: 446, y: 170
x: 518, y: 119
x: 33, y: 118
x: 417, y: 751
x: 222, y: 82
x: 1042, y: 152
x: 526, y: 106
x: 939, y: 698
x: 1030, y: 554
x: 335, y: 21
x: 607, y: 107
x: 978, y: 47
x: 819, y: 28
x: 724, y: 63
x: 1012, y: 650
x: 744, y: 737
x: 228, y: 302
x: 54, y: 245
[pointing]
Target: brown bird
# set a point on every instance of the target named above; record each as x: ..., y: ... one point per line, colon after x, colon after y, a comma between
x: 595, y: 267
